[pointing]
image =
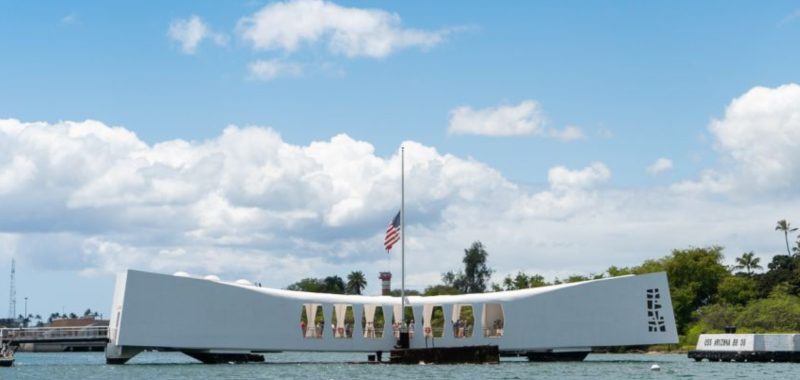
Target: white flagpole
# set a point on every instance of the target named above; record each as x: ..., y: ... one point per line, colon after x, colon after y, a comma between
x: 402, y: 235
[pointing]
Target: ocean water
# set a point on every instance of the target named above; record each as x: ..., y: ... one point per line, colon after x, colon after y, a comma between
x: 347, y: 366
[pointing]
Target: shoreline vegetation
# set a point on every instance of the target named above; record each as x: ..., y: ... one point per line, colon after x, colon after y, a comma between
x: 36, y: 320
x: 707, y: 296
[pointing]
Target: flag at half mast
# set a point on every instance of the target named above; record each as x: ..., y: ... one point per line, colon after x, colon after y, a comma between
x: 392, y: 233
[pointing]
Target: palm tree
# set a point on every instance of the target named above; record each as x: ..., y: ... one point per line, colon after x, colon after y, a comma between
x: 786, y: 227
x: 356, y: 282
x: 748, y: 262
x: 796, y: 247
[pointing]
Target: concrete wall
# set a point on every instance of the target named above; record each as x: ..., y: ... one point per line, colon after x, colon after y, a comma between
x: 191, y: 313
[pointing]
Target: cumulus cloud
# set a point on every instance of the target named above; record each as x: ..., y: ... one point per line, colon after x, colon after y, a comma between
x: 245, y: 191
x: 190, y: 32
x: 758, y: 140
x: 659, y: 166
x: 94, y: 198
x: 272, y: 68
x: 353, y: 32
x: 569, y: 133
x: 525, y: 118
x: 563, y: 179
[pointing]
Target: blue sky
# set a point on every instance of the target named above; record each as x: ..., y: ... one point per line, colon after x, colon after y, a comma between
x: 637, y: 82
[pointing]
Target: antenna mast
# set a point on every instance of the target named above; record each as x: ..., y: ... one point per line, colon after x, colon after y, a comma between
x: 12, y: 296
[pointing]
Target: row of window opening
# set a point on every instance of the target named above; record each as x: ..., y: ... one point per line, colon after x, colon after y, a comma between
x: 342, y: 322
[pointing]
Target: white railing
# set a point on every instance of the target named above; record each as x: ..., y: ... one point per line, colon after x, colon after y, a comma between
x: 54, y: 333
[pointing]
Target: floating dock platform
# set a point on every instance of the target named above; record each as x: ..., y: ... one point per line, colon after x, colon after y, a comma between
x: 446, y: 355
x: 747, y: 348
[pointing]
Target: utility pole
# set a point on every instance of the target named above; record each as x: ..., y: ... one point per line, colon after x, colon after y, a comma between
x: 25, y: 317
x: 12, y: 296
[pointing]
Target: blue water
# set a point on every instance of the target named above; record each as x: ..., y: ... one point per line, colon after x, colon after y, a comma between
x: 152, y: 366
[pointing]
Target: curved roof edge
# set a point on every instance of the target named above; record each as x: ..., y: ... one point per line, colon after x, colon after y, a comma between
x: 506, y: 295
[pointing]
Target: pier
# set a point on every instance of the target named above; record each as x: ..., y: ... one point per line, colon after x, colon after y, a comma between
x: 91, y: 335
x: 747, y: 348
x: 446, y: 355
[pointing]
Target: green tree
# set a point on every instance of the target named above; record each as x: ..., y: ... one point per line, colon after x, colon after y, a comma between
x: 520, y: 281
x: 778, y: 313
x: 334, y: 284
x: 523, y: 281
x: 536, y: 281
x: 786, y: 227
x: 356, y: 282
x: 783, y: 271
x: 613, y: 271
x: 308, y: 284
x: 694, y: 275
x: 409, y: 292
x: 476, y: 274
x: 737, y: 290
x: 718, y: 316
x: 330, y: 284
x: 748, y: 262
x: 579, y: 278
x: 440, y: 290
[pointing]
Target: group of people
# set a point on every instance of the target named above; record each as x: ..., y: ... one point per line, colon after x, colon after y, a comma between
x: 344, y: 332
x: 461, y: 329
x: 5, y: 351
x: 312, y: 331
x: 496, y: 329
x: 397, y: 326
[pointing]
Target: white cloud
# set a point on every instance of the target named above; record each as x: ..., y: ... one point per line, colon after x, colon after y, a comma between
x: 791, y: 17
x: 526, y: 118
x: 569, y: 133
x: 523, y: 119
x: 562, y: 178
x: 353, y: 32
x: 659, y: 166
x: 95, y: 198
x: 245, y: 192
x: 70, y: 19
x: 189, y: 33
x: 758, y: 140
x: 270, y: 69
x: 15, y: 174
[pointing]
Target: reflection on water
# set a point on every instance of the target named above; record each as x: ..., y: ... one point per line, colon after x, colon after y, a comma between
x: 349, y: 366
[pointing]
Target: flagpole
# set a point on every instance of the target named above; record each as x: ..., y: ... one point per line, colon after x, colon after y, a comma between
x: 402, y: 235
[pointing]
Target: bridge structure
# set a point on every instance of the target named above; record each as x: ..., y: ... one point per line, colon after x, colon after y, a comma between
x: 66, y: 335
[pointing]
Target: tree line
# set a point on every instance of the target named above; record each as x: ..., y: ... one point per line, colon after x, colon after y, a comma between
x: 356, y: 282
x: 36, y: 320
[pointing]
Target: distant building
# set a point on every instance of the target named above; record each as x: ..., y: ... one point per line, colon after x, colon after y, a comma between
x: 78, y: 322
x: 69, y: 346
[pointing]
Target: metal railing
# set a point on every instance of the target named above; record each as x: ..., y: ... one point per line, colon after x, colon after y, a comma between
x: 45, y: 334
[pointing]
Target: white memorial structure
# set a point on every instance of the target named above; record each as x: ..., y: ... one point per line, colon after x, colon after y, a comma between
x: 213, y: 320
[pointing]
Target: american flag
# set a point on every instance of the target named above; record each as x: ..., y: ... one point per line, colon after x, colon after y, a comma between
x: 392, y: 233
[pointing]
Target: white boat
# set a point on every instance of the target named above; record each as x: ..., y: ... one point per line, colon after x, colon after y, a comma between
x: 213, y: 320
x: 6, y: 356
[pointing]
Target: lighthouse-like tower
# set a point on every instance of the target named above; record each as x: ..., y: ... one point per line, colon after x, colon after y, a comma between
x: 386, y: 283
